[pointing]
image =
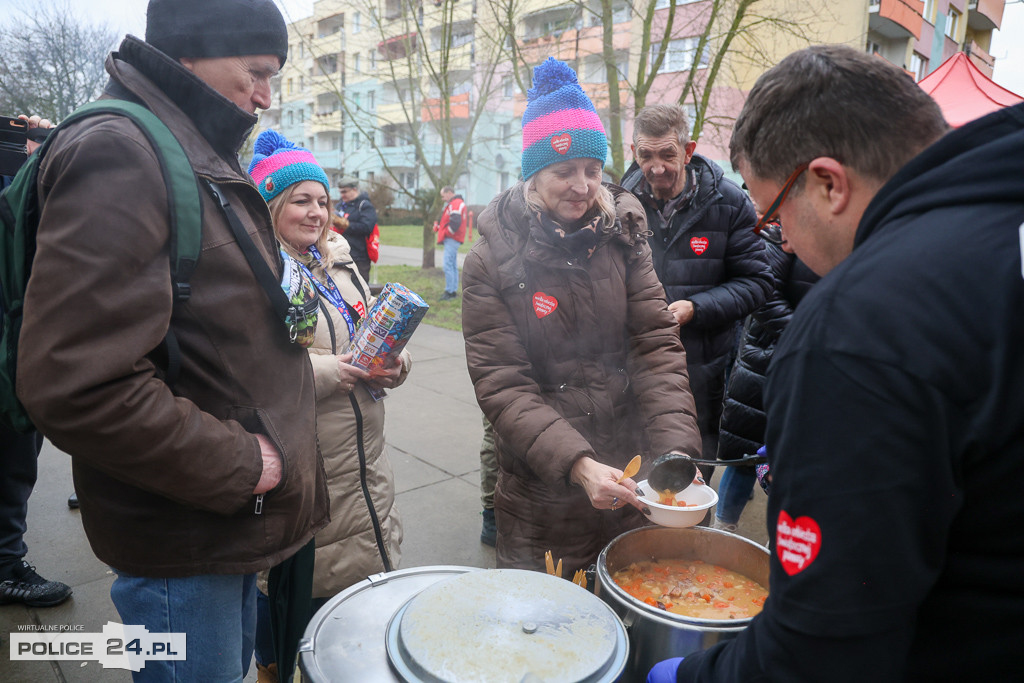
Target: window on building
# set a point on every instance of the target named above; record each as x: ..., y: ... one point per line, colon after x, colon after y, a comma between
x: 357, y: 22
x: 289, y: 87
x: 929, y: 11
x: 663, y: 4
x: 873, y: 48
x: 373, y: 60
x: 953, y: 23
x: 291, y: 118
x: 503, y: 182
x: 302, y: 116
x: 357, y: 63
x: 508, y: 87
x: 357, y: 142
x: 680, y: 55
x: 371, y: 98
x: 918, y: 65
x: 302, y: 83
x: 621, y: 13
x: 505, y: 132
x: 371, y: 176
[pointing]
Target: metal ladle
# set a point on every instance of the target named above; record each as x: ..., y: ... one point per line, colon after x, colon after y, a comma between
x: 673, y: 472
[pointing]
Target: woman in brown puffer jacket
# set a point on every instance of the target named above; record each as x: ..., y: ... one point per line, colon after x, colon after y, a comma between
x: 573, y: 353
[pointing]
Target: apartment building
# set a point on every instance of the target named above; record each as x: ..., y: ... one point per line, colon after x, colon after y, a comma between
x: 412, y: 94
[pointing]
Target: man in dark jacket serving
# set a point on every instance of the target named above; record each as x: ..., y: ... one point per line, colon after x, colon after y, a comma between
x: 712, y: 266
x: 187, y: 489
x: 894, y: 399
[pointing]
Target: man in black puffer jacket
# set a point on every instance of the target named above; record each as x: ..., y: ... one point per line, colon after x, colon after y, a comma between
x: 712, y: 265
x: 743, y: 418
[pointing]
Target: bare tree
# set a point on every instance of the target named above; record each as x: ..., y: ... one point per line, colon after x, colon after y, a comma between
x: 653, y: 51
x: 51, y: 61
x: 435, y: 67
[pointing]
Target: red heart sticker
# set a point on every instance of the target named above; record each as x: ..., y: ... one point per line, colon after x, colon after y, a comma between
x: 699, y: 245
x: 543, y: 304
x: 797, y: 542
x: 561, y: 143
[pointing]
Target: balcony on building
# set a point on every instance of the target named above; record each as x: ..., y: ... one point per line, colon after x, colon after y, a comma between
x: 433, y: 108
x: 896, y: 18
x: 397, y: 47
x: 985, y: 15
x: 330, y: 35
x: 980, y: 57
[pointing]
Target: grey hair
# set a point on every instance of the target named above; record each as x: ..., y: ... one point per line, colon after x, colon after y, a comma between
x: 658, y: 120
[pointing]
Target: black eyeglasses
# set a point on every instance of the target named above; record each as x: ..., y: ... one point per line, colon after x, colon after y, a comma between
x: 771, y: 215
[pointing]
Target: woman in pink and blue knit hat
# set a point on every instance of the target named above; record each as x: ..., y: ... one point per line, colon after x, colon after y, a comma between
x: 574, y: 356
x: 365, y: 531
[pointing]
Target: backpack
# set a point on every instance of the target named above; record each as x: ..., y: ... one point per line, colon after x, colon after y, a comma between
x: 19, y: 220
x: 373, y: 244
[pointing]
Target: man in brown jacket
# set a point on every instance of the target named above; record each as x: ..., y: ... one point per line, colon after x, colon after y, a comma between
x: 187, y: 489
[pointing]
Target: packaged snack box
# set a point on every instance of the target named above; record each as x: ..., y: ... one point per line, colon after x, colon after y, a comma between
x: 386, y: 328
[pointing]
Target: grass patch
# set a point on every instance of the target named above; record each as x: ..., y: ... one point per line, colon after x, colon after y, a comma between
x: 429, y: 284
x: 410, y: 236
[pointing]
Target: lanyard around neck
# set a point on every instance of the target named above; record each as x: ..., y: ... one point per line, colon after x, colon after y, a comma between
x: 331, y: 293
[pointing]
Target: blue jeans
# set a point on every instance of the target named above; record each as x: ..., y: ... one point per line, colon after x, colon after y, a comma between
x: 734, y: 492
x: 216, y: 612
x: 451, y: 265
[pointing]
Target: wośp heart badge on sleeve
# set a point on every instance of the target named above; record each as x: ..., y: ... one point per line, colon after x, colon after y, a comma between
x: 797, y: 542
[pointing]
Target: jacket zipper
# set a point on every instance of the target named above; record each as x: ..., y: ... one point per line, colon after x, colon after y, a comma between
x: 259, y: 497
x: 378, y: 535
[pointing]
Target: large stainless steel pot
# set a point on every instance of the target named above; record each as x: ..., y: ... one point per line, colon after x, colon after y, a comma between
x: 655, y: 634
x: 454, y: 624
x: 345, y: 638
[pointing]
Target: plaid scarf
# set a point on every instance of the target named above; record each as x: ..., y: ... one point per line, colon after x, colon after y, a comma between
x: 579, y: 242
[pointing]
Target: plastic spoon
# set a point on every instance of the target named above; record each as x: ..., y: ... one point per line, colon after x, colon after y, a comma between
x: 632, y: 468
x: 673, y: 472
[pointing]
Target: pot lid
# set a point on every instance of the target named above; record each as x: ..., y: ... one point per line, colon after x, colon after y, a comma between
x: 506, y: 625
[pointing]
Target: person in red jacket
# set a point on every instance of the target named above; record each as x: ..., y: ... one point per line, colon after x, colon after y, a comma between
x: 451, y: 232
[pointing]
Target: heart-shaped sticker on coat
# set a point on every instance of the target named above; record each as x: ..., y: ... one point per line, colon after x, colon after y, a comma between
x: 543, y: 304
x: 797, y: 542
x: 561, y: 143
x: 699, y: 245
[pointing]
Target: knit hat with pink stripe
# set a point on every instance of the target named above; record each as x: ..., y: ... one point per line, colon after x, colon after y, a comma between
x: 560, y: 121
x: 277, y: 164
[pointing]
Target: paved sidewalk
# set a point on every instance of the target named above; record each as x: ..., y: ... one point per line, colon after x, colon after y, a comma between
x: 433, y: 432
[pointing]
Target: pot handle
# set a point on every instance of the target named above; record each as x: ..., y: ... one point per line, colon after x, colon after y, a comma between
x: 592, y: 578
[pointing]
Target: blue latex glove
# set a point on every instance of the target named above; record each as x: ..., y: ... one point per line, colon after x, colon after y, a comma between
x: 763, y: 470
x: 664, y: 672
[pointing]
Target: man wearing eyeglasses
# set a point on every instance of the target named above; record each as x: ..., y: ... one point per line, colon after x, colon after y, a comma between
x: 895, y: 399
x: 712, y: 266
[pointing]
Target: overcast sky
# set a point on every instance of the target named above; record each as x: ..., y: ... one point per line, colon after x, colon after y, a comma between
x: 129, y: 16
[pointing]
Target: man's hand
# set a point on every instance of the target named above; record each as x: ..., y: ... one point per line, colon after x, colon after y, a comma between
x: 682, y: 310
x: 271, y: 475
x: 34, y: 122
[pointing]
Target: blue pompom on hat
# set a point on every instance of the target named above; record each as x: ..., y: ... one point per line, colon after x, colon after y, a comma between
x: 277, y: 163
x: 560, y: 121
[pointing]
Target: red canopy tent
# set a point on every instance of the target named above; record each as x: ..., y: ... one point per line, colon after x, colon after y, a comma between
x: 963, y: 92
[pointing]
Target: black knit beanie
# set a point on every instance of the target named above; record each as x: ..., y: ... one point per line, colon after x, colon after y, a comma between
x: 216, y: 28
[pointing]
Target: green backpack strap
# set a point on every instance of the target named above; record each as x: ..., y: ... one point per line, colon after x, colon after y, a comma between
x: 182, y: 189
